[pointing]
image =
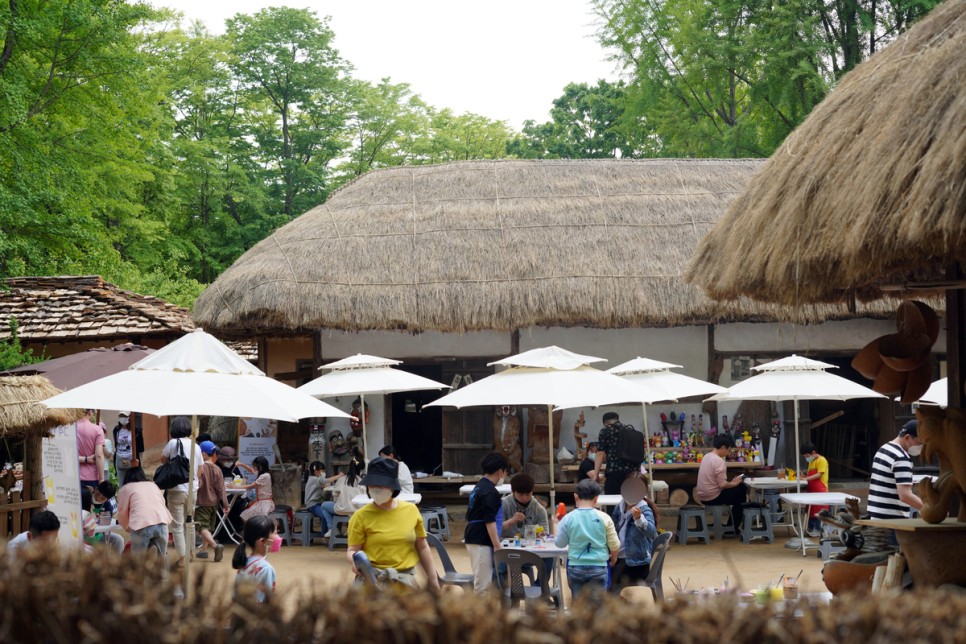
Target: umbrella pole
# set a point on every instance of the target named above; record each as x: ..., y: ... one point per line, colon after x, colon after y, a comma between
x: 553, y: 492
x: 189, y: 526
x: 365, y: 443
x: 647, y: 451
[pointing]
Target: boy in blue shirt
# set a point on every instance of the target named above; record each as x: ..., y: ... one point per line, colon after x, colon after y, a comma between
x: 592, y: 543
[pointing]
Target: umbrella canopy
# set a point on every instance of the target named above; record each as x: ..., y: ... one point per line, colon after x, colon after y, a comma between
x: 549, y: 376
x: 869, y: 190
x: 196, y: 375
x: 657, y: 383
x: 78, y: 369
x: 363, y: 374
x: 937, y: 394
x: 795, y: 378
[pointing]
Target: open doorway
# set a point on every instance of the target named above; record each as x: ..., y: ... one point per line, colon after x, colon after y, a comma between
x: 417, y: 433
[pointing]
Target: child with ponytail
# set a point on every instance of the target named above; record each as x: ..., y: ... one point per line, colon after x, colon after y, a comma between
x: 259, y: 535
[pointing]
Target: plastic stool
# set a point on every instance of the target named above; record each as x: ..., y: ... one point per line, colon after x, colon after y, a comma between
x: 751, y: 531
x: 307, y: 520
x: 700, y: 531
x: 337, y: 538
x: 829, y: 547
x: 436, y: 520
x: 719, y: 528
x: 281, y: 513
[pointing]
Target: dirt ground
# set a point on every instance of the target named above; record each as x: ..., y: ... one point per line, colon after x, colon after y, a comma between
x: 697, y: 564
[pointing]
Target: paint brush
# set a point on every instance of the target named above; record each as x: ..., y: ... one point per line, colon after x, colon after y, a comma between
x: 799, y: 574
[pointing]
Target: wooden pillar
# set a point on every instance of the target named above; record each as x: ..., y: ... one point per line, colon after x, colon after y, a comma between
x: 955, y: 345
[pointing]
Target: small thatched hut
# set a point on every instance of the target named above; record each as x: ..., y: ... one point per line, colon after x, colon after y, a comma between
x: 867, y: 198
x: 448, y: 267
x: 23, y: 419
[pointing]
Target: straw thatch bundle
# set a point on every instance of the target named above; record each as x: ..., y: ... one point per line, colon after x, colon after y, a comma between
x: 21, y: 412
x: 869, y: 190
x: 45, y: 597
x: 492, y: 245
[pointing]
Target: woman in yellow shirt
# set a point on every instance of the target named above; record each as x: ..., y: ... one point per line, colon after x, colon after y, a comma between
x: 817, y: 481
x: 389, y: 531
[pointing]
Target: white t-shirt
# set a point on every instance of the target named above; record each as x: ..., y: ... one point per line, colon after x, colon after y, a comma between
x: 171, y: 450
x: 405, y: 478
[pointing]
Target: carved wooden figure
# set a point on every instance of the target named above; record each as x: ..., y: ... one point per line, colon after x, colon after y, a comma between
x: 506, y: 436
x: 943, y: 434
x: 538, y: 433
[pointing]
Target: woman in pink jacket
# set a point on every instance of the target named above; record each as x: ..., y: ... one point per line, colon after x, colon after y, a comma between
x: 142, y: 511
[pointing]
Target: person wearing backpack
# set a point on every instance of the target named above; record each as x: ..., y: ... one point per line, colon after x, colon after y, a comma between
x: 617, y: 445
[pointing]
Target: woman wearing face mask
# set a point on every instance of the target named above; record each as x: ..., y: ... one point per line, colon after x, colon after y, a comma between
x: 817, y: 481
x: 389, y: 531
x: 255, y: 571
x: 127, y: 451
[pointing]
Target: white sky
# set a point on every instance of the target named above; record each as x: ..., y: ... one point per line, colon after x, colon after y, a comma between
x: 504, y: 59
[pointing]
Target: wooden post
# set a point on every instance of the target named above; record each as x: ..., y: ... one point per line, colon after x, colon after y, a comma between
x: 955, y: 346
x: 893, y: 572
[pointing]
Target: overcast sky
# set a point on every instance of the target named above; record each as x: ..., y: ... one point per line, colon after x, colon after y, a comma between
x: 504, y: 59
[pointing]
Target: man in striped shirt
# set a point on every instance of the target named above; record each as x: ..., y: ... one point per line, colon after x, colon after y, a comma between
x: 890, y: 488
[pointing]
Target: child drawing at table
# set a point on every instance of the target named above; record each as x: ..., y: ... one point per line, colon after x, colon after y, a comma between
x: 592, y: 544
x: 254, y: 571
x: 262, y: 485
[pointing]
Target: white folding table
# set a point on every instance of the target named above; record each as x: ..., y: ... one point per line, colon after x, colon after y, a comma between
x: 801, y: 501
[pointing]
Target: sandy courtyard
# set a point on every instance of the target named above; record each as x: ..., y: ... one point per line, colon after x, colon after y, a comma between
x: 697, y: 564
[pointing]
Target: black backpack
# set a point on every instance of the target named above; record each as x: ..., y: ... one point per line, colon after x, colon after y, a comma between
x: 630, y: 444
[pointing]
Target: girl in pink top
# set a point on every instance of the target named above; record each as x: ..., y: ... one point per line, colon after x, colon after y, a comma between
x: 263, y: 504
x: 142, y: 511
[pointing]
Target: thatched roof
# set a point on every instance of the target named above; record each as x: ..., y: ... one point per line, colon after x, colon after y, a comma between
x: 20, y: 408
x: 869, y: 190
x: 492, y: 245
x: 69, y: 308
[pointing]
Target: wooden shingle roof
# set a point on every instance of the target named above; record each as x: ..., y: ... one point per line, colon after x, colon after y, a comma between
x: 57, y: 309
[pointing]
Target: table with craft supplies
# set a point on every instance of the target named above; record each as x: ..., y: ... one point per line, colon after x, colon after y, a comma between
x: 545, y: 549
x: 801, y: 501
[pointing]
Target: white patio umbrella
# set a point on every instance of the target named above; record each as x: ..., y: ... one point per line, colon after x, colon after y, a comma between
x: 548, y: 376
x: 937, y: 394
x: 657, y: 383
x: 361, y: 374
x: 199, y: 376
x: 796, y: 378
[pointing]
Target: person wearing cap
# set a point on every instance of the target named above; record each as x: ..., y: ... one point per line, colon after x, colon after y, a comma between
x: 90, y: 450
x: 211, y: 496
x: 890, y: 487
x: 127, y: 452
x: 226, y: 462
x: 389, y: 531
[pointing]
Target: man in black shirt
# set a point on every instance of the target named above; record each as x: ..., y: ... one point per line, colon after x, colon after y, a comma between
x: 617, y: 469
x: 484, y: 520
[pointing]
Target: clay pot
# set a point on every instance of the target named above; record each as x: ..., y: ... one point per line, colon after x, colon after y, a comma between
x: 844, y: 576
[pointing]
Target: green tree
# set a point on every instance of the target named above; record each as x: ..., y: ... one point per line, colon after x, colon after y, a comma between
x: 385, y: 120
x: 734, y: 77
x: 296, y: 104
x: 461, y: 137
x: 586, y: 122
x: 71, y: 127
x: 12, y: 353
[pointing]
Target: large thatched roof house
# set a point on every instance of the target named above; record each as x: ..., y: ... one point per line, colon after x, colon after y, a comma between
x: 448, y: 267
